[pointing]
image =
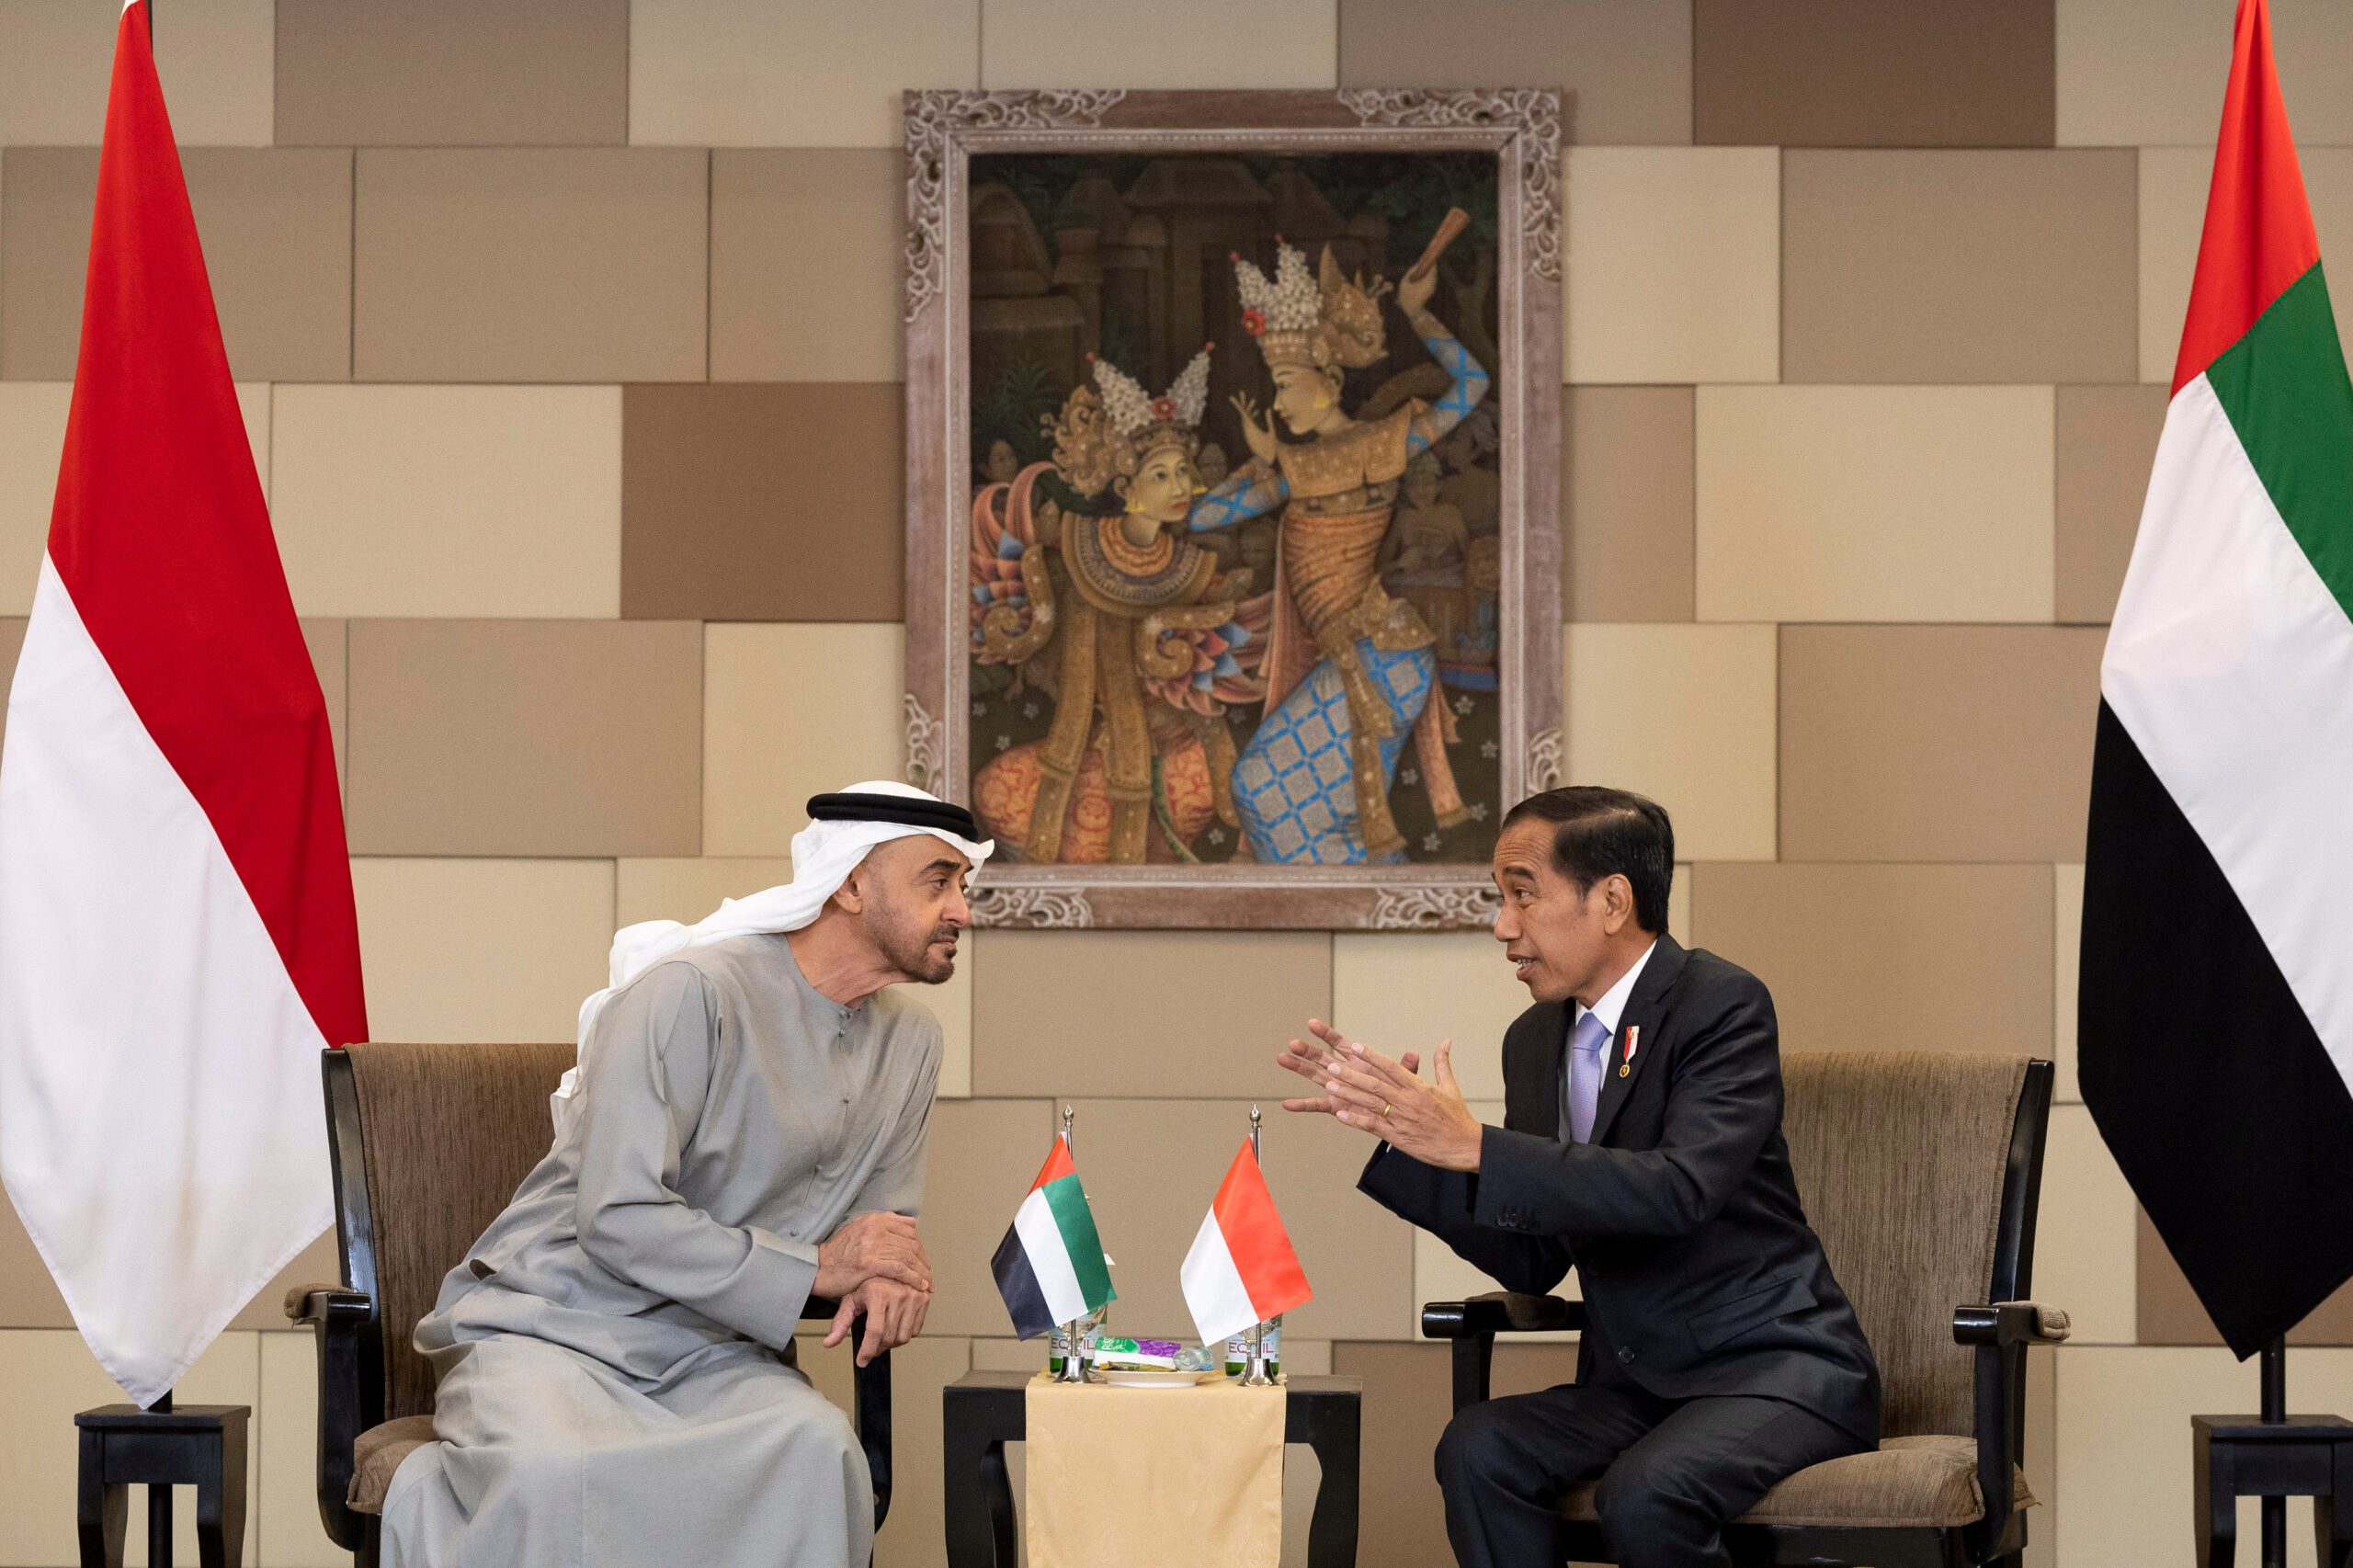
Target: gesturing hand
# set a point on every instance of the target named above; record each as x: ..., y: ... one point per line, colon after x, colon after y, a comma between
x: 1366, y: 1090
x: 1263, y: 445
x: 894, y: 1314
x: 872, y: 1246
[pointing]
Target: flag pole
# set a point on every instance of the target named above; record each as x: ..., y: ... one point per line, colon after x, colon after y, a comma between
x: 2275, y: 1414
x: 159, y: 1497
x: 1253, y: 1375
x: 1073, y: 1368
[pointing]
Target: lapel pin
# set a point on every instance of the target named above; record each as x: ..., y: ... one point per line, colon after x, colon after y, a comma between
x: 1626, y: 1063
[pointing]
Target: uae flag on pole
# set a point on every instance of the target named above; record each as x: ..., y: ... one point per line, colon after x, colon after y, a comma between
x: 2216, y: 1000
x: 177, y: 933
x: 1241, y: 1270
x: 1051, y: 1269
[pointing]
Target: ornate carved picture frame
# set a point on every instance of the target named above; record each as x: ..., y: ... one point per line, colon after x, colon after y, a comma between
x: 1263, y: 632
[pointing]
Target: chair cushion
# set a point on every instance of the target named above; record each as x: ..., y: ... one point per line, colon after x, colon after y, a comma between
x: 1920, y: 1480
x: 377, y: 1453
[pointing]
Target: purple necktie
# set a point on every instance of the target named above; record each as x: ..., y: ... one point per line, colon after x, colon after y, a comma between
x: 1584, y: 1075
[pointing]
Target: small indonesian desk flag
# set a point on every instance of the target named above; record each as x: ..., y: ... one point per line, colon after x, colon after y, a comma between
x: 177, y: 933
x: 1241, y: 1270
x: 1051, y: 1269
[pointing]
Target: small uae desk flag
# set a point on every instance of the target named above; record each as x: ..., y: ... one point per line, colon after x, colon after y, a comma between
x: 1051, y: 1269
x: 177, y: 933
x: 1241, y: 1270
x: 2215, y: 1021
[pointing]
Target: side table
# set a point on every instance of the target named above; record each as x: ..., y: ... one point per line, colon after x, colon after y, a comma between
x: 981, y: 1412
x: 201, y: 1446
x: 2241, y: 1455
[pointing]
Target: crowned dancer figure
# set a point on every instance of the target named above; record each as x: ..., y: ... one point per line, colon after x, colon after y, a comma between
x: 1350, y: 670
x: 1085, y: 581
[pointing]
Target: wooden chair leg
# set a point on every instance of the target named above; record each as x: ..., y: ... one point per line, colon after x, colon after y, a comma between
x: 221, y: 1510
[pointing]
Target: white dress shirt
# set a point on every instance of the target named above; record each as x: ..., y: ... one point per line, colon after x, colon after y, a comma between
x: 1609, y: 1008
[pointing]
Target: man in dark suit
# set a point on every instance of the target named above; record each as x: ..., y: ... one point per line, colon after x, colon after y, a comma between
x: 1641, y: 1144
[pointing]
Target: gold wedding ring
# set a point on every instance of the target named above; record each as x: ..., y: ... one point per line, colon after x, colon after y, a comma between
x: 1384, y: 1110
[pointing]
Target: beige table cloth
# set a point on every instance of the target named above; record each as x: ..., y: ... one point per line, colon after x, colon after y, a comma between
x: 1154, y: 1478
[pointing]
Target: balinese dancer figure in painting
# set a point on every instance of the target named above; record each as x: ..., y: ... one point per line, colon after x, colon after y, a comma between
x: 1350, y: 670
x: 1084, y: 582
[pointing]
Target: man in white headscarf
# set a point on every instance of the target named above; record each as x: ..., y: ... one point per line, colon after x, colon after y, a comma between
x: 745, y: 1130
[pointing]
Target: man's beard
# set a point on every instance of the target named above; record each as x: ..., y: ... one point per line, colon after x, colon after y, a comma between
x: 910, y: 950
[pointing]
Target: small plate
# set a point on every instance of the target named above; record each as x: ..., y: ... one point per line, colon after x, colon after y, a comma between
x: 1151, y: 1377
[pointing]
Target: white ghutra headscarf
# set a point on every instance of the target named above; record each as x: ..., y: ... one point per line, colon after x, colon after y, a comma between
x: 843, y: 830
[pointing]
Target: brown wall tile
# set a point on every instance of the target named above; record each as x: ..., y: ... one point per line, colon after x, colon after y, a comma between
x: 762, y: 502
x: 12, y: 637
x: 1358, y: 1259
x: 1937, y: 742
x: 1889, y: 958
x: 531, y: 264
x: 982, y: 1157
x: 807, y: 274
x: 2106, y: 439
x: 328, y: 645
x: 452, y: 72
x: 1623, y: 66
x: 1627, y: 527
x: 1408, y: 1399
x: 2170, y: 1313
x: 276, y: 226
x: 1073, y: 1013
x: 1872, y: 73
x: 1959, y: 266
x: 28, y: 1297
x: 525, y: 737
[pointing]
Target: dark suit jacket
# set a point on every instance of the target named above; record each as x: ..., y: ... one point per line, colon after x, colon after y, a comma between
x: 1701, y: 1274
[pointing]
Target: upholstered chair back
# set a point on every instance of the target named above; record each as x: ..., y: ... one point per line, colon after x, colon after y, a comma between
x: 1901, y: 1160
x: 447, y: 1133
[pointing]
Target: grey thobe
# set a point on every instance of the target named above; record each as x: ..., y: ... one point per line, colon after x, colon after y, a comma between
x: 616, y: 1387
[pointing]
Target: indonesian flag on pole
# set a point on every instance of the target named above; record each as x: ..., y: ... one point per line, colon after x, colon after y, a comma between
x: 177, y: 933
x: 1240, y: 1269
x: 2215, y: 1029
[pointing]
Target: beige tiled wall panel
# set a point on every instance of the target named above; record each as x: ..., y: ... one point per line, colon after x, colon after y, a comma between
x: 2124, y: 1458
x: 1874, y: 503
x: 276, y: 227
x: 1675, y: 269
x: 1684, y: 714
x: 783, y: 308
x: 1143, y: 1012
x: 1889, y: 958
x: 2084, y: 1259
x: 450, y: 500
x: 763, y: 501
x: 1220, y: 43
x: 1853, y: 73
x: 1623, y: 67
x: 2153, y: 71
x: 2106, y: 439
x: 330, y: 646
x: 1937, y: 742
x: 57, y: 58
x: 285, y: 1453
x: 481, y: 951
x: 452, y: 72
x: 28, y: 1297
x: 1358, y: 1259
x: 49, y: 1374
x: 1626, y: 503
x: 531, y: 264
x: 720, y: 73
x: 791, y: 712
x: 1958, y: 265
x: 2067, y: 938
x: 1406, y: 991
x: 982, y: 1158
x: 525, y: 737
x: 2173, y: 213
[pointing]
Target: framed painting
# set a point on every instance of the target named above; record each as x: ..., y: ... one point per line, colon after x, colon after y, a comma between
x: 1232, y: 496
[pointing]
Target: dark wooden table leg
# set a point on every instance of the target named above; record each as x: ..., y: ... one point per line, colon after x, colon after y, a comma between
x: 101, y: 1511
x: 221, y: 1502
x: 1332, y: 1529
x: 975, y: 1490
x: 996, y: 1480
x: 2333, y: 1519
x: 2216, y: 1502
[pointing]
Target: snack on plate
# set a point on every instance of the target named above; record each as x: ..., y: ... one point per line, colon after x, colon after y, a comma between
x: 1154, y: 1352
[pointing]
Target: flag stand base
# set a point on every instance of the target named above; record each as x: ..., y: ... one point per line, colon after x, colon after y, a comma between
x: 2275, y: 1414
